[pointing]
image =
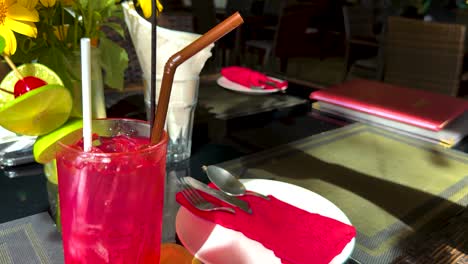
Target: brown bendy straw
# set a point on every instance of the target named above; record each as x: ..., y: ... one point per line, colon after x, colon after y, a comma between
x: 175, y: 60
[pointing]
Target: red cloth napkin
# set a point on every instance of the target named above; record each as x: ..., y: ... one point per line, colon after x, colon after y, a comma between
x: 294, y: 235
x: 248, y: 77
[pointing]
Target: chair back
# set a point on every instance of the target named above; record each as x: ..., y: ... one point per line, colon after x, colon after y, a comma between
x: 181, y: 21
x: 272, y: 7
x: 424, y: 55
x: 244, y: 7
x: 295, y: 34
x: 358, y: 22
x: 204, y: 15
x: 461, y: 17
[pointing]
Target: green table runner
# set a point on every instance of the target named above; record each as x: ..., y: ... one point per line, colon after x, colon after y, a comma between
x: 390, y: 186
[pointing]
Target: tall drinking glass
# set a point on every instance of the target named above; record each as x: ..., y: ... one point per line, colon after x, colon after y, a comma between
x: 111, y: 200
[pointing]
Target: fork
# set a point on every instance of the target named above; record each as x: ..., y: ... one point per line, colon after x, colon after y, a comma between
x: 198, y: 201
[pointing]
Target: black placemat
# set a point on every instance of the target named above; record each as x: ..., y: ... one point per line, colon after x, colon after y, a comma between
x: 30, y: 240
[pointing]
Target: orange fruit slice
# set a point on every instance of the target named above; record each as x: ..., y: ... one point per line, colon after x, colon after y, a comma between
x: 176, y: 254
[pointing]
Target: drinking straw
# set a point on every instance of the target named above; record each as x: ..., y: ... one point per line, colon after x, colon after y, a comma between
x: 154, y: 23
x: 178, y: 58
x: 86, y: 92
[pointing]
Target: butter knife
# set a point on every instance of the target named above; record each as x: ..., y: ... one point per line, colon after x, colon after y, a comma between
x: 243, y: 205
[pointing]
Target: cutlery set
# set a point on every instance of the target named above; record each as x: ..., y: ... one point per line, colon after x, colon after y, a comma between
x: 194, y: 197
x: 229, y: 187
x: 290, y: 228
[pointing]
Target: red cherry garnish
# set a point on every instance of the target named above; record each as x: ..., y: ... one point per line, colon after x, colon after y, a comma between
x: 27, y: 84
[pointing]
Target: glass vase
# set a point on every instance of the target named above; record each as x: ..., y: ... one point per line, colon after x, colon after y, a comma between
x: 50, y: 172
x: 98, y: 104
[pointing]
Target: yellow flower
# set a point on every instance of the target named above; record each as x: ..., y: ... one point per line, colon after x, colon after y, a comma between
x: 15, y: 17
x: 29, y: 4
x: 48, y: 3
x: 146, y: 7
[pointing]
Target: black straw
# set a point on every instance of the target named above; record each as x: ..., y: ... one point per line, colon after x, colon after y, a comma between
x: 154, y: 23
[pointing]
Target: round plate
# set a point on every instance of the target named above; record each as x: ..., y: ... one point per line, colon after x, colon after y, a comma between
x: 225, y: 83
x: 212, y: 243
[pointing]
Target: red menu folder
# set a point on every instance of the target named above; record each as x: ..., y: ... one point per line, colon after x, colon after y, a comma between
x: 411, y: 106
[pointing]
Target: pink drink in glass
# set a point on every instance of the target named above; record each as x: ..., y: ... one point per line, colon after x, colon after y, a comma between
x: 111, y: 199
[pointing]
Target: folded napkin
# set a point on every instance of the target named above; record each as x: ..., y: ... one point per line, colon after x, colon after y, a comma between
x: 294, y: 235
x: 248, y: 77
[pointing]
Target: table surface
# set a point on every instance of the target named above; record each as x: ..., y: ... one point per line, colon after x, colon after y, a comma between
x: 214, y: 141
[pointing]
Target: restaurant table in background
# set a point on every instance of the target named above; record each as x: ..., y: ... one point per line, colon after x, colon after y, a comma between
x: 223, y: 104
x: 243, y: 135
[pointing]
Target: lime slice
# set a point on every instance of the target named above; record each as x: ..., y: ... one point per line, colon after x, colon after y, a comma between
x: 50, y: 171
x: 37, y: 112
x: 31, y: 69
x: 45, y: 146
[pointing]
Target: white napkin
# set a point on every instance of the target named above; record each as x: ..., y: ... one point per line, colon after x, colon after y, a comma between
x: 168, y: 43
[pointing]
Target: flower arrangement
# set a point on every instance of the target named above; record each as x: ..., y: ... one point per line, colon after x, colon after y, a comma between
x: 49, y: 31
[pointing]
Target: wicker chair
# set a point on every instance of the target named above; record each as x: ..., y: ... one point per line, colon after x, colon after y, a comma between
x: 358, y: 24
x: 294, y: 36
x: 424, y: 55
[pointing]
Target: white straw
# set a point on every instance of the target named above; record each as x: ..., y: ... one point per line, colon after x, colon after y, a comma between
x: 86, y: 92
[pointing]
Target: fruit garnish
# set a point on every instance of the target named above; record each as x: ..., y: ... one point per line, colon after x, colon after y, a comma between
x: 24, y: 83
x: 32, y: 69
x: 27, y: 84
x: 6, y: 91
x: 46, y: 145
x: 37, y: 112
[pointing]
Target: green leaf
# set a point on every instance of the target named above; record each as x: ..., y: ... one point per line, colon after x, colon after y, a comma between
x: 97, y: 16
x: 26, y: 50
x: 2, y: 44
x: 56, y: 60
x: 83, y: 4
x: 116, y: 27
x: 117, y: 12
x: 100, y: 5
x: 71, y: 38
x: 114, y: 61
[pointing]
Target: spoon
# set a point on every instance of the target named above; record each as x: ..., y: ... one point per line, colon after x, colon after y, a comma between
x: 228, y: 183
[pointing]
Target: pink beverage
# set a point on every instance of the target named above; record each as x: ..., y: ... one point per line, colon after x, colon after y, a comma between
x: 111, y: 199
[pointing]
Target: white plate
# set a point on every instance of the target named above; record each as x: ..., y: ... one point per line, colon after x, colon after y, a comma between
x: 225, y: 83
x: 213, y: 244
